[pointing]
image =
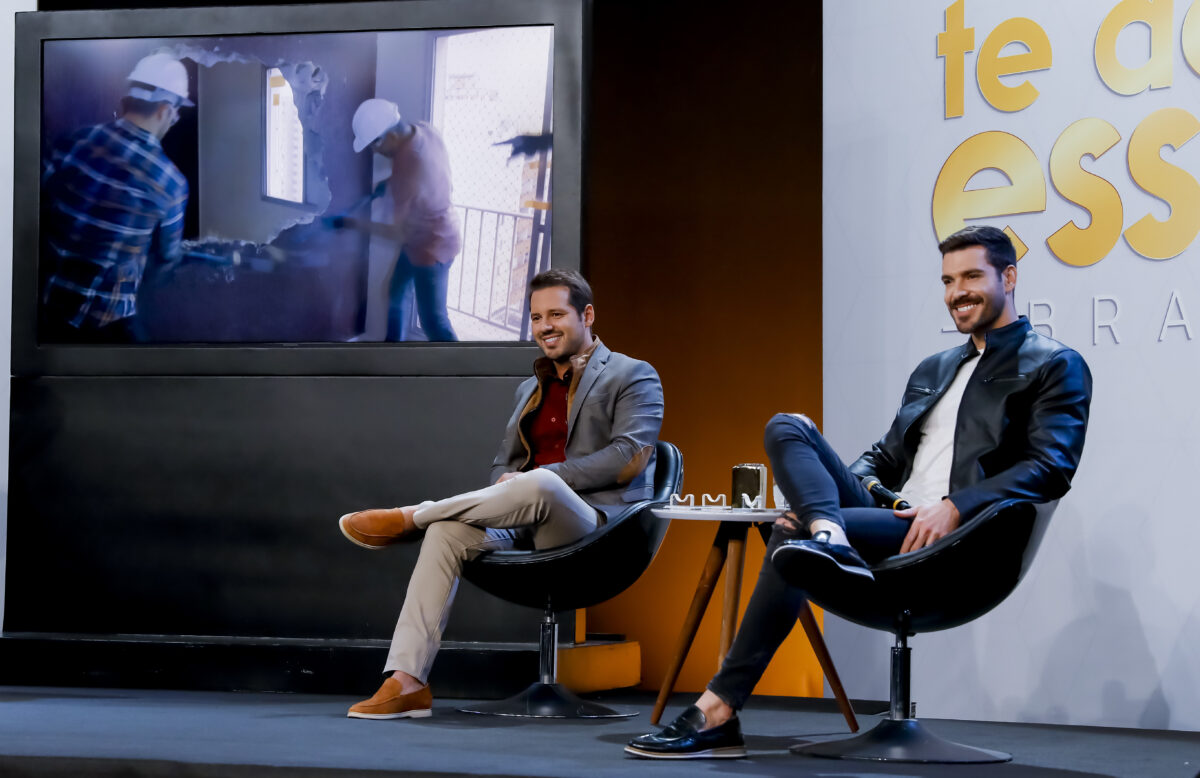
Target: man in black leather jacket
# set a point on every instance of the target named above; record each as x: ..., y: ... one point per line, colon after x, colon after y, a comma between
x: 1002, y: 416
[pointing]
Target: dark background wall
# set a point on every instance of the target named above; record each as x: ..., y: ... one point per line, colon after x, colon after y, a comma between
x: 702, y: 241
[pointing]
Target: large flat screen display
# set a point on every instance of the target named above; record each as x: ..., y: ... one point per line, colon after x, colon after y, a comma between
x: 316, y: 180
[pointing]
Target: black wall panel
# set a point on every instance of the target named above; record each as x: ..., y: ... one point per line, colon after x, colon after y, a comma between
x: 208, y: 505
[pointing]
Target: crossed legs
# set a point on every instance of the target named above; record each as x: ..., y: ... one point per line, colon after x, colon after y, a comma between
x: 819, y: 488
x: 823, y: 495
x: 537, y: 504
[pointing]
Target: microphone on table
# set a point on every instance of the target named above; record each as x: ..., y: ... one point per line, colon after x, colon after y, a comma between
x: 886, y: 497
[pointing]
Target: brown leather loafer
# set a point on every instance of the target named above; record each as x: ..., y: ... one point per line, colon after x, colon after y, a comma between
x: 377, y: 528
x: 390, y: 703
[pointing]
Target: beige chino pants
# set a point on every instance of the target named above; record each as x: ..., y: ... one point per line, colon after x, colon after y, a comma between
x: 538, y: 504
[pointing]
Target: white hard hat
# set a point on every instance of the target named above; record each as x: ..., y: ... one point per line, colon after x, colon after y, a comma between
x: 372, y: 119
x: 165, y: 74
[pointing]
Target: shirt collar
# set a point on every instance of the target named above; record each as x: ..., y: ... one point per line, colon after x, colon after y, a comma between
x: 1000, y: 337
x: 543, y: 367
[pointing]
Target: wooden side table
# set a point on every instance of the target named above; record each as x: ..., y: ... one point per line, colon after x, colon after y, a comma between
x: 729, y: 552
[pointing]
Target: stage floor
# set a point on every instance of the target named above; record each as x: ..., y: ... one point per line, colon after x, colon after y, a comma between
x: 122, y: 732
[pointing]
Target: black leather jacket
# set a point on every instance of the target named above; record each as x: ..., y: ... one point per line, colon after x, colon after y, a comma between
x: 1020, y: 426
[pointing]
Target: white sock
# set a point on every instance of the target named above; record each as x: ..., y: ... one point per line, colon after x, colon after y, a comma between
x: 837, y: 535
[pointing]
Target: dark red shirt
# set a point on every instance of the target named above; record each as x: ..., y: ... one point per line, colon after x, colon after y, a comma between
x: 548, y: 425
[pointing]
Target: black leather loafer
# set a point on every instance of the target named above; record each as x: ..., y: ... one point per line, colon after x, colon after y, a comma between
x: 801, y: 560
x: 684, y: 738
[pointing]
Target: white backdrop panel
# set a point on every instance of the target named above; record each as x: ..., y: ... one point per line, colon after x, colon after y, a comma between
x: 1106, y: 628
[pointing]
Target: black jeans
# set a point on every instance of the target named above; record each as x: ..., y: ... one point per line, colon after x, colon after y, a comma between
x: 817, y: 485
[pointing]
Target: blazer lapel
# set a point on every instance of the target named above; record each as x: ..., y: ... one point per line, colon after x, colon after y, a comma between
x: 595, y: 366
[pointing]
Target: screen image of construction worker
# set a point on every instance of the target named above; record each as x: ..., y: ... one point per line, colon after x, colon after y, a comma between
x: 331, y: 188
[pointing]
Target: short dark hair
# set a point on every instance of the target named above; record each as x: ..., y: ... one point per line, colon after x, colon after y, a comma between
x: 998, y: 248
x: 579, y: 293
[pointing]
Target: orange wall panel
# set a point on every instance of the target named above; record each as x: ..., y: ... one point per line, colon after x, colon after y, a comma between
x: 703, y: 246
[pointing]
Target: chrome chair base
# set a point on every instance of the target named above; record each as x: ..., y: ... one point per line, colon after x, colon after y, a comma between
x: 902, y: 740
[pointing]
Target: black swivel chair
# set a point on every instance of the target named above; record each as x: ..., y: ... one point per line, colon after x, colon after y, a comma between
x: 587, y: 572
x: 955, y: 580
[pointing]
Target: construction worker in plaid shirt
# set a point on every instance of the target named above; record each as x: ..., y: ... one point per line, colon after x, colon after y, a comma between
x: 113, y: 202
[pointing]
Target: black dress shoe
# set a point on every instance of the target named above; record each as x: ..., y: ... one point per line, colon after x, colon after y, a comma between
x: 799, y: 561
x: 684, y: 739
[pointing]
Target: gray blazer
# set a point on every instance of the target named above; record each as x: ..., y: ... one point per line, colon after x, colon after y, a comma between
x: 615, y: 410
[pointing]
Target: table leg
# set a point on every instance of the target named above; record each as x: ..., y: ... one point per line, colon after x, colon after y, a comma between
x: 734, y: 565
x: 704, y: 590
x: 817, y: 641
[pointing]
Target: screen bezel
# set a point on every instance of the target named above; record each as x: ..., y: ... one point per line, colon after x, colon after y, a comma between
x: 30, y: 358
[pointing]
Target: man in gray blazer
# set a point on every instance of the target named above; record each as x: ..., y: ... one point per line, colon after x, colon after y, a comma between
x: 578, y: 446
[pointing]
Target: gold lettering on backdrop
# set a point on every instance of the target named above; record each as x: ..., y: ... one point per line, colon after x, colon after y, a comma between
x: 1088, y: 245
x: 954, y: 203
x: 1189, y: 39
x: 953, y: 44
x: 989, y: 66
x: 1156, y: 72
x: 1148, y: 236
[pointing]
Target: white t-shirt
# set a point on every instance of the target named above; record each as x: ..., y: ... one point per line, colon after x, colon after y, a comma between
x: 929, y: 480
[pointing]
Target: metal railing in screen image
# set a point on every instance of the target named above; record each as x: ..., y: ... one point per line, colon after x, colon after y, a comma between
x: 501, y: 252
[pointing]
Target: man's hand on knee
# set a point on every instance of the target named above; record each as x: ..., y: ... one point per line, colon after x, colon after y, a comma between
x: 930, y: 523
